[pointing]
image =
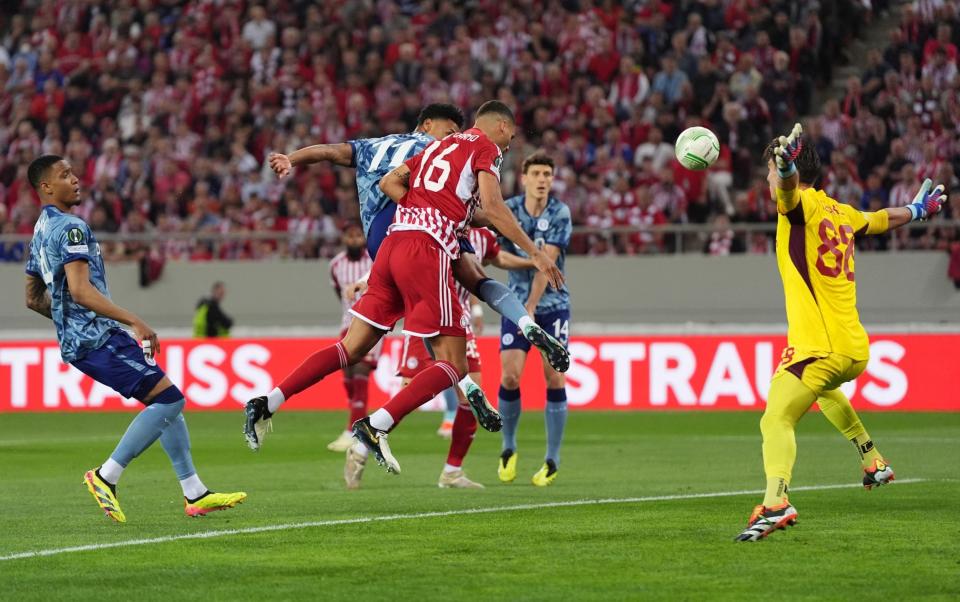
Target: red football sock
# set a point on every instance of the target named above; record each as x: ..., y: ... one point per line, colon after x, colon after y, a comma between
x: 358, y: 402
x: 314, y: 369
x: 348, y: 387
x: 464, y: 428
x: 425, y: 386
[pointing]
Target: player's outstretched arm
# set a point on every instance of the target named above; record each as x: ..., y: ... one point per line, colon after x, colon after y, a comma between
x: 927, y: 203
x: 788, y: 180
x: 37, y: 297
x: 396, y: 183
x: 87, y: 295
x: 508, y: 261
x: 501, y: 218
x: 340, y: 153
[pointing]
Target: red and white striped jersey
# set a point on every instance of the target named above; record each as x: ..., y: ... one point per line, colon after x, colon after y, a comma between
x: 485, y: 244
x: 344, y: 272
x: 443, y: 187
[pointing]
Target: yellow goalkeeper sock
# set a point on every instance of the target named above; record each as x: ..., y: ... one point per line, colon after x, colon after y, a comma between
x: 776, y: 492
x: 837, y: 409
x: 787, y: 402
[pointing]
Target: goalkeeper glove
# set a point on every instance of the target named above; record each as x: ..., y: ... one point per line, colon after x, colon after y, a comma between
x: 927, y: 202
x: 787, y: 150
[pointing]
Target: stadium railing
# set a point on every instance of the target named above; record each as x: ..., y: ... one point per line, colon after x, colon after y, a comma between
x: 666, y: 238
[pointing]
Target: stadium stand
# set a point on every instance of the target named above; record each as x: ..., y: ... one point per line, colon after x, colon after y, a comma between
x: 169, y: 109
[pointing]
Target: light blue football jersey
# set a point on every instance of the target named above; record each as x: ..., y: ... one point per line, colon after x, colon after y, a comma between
x: 552, y: 227
x: 375, y: 158
x: 58, y: 239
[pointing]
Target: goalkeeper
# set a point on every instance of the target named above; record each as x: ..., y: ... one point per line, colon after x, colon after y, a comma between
x: 826, y: 344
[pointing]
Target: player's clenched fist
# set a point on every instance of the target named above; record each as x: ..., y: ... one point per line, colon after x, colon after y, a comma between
x: 280, y: 164
x: 787, y: 150
x: 928, y: 202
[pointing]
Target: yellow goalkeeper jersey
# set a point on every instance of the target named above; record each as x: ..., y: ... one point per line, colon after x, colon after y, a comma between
x: 815, y: 245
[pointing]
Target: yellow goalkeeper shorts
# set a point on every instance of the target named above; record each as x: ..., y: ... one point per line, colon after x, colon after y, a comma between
x: 820, y: 373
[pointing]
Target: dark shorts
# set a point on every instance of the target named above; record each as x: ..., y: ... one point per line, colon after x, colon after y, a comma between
x: 119, y: 363
x: 556, y: 323
x: 466, y: 246
x: 378, y: 229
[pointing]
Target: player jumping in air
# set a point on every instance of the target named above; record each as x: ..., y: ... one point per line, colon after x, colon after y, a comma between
x: 826, y: 344
x: 346, y: 268
x: 66, y: 282
x: 411, y: 278
x: 415, y: 359
x: 546, y: 220
x: 374, y: 158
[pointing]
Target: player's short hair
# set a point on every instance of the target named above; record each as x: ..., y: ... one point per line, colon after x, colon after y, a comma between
x: 808, y: 162
x: 495, y: 107
x: 441, y: 111
x: 38, y: 169
x: 537, y: 158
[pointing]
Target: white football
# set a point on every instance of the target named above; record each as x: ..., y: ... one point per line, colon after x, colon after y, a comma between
x: 697, y: 148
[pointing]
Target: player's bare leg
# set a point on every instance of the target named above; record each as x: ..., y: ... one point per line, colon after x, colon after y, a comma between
x: 470, y: 274
x: 351, y: 349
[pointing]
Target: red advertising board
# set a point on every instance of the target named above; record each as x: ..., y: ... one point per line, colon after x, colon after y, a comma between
x: 726, y: 372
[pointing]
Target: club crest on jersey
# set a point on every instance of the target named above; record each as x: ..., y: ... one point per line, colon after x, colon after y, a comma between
x: 412, y: 363
x: 542, y: 224
x: 464, y: 322
x: 75, y: 235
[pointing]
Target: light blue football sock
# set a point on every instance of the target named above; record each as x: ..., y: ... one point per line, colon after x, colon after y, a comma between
x: 175, y: 440
x: 502, y: 300
x: 555, y: 417
x: 451, y: 401
x: 146, y: 428
x: 509, y: 407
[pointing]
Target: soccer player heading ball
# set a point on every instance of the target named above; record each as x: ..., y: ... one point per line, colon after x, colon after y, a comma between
x: 826, y: 344
x: 438, y: 192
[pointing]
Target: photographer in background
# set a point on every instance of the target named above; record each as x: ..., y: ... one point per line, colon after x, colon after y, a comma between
x: 209, y: 320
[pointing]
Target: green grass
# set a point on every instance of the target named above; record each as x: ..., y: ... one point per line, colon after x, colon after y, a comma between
x: 895, y: 542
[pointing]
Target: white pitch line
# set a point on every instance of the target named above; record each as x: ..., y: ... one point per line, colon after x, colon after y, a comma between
x: 414, y: 516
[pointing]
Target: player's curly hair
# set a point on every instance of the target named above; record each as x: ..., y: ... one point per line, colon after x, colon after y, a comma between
x: 38, y: 169
x: 808, y: 162
x: 441, y: 111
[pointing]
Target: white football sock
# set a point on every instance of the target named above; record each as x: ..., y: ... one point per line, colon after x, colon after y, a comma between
x: 274, y: 399
x: 450, y: 468
x: 381, y: 420
x: 524, y: 321
x: 360, y: 448
x: 192, y: 487
x: 110, y: 471
x: 465, y: 384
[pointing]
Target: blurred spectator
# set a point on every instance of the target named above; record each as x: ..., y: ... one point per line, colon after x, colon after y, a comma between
x: 168, y: 109
x: 722, y: 240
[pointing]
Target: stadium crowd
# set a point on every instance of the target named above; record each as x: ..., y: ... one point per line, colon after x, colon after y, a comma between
x: 167, y: 109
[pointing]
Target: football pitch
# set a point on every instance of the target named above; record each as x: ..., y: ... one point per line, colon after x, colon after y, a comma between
x: 645, y: 507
